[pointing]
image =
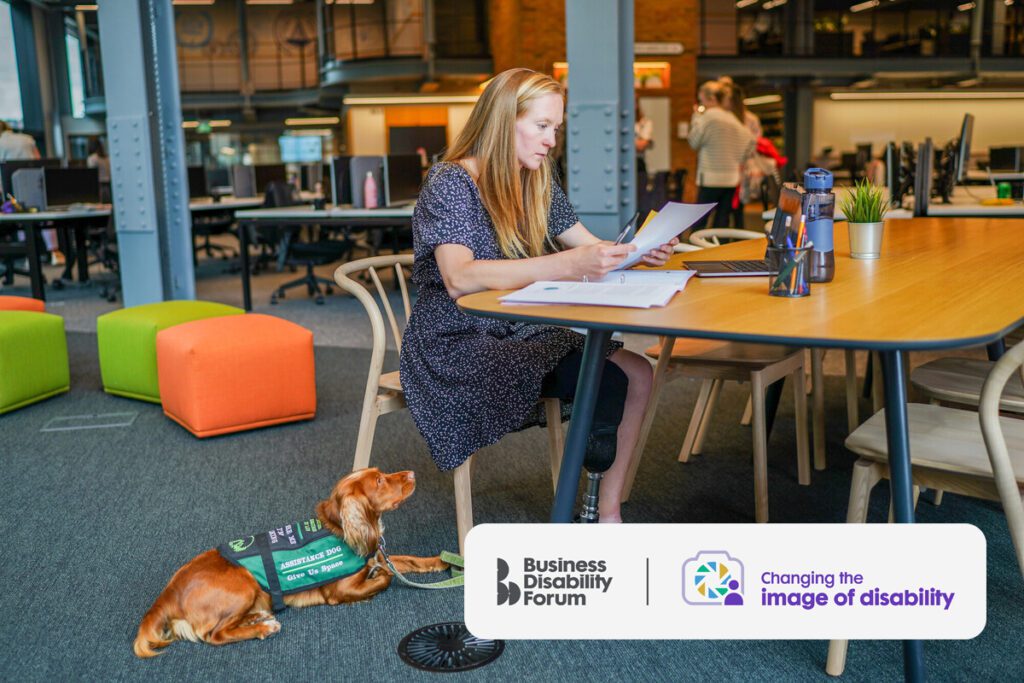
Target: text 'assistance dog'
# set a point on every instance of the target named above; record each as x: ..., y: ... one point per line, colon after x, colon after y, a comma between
x: 226, y: 594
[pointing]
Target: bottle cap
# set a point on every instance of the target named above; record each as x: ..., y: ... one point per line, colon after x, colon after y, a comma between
x: 817, y: 179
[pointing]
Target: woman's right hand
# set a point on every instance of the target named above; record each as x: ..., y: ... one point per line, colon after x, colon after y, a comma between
x: 594, y: 261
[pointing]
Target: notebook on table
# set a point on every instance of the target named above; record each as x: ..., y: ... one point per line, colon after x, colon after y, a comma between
x: 788, y: 205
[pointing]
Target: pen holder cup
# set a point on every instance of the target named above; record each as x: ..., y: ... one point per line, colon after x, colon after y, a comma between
x: 788, y: 270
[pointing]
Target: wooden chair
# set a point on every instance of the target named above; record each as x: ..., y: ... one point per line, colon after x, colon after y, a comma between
x: 948, y: 452
x: 715, y: 362
x: 384, y: 390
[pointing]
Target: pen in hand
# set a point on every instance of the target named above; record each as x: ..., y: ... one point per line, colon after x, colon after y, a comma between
x: 629, y: 226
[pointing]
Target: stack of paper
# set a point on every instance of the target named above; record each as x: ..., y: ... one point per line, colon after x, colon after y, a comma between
x: 632, y: 289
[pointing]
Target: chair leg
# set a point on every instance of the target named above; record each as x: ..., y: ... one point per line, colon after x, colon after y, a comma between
x: 877, y: 388
x: 556, y: 438
x: 852, y: 412
x: 747, y: 412
x: 865, y: 475
x: 695, y: 419
x: 463, y: 502
x: 364, y: 441
x: 657, y: 382
x: 938, y: 498
x: 709, y: 411
x: 760, y: 437
x: 818, y: 407
x: 803, y: 458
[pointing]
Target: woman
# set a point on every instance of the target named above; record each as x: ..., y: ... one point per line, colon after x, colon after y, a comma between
x: 490, y: 217
x: 99, y: 160
x: 722, y: 143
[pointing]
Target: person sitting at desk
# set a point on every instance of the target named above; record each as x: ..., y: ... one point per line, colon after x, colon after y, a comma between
x: 489, y: 216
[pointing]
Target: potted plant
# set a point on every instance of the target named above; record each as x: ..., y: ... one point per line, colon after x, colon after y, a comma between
x: 865, y: 207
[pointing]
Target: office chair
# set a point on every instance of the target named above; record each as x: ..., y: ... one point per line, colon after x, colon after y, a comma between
x: 293, y: 251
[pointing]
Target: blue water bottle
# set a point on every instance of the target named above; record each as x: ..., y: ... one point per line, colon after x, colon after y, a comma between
x: 818, y: 209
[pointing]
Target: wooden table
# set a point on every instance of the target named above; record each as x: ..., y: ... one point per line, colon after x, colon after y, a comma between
x: 396, y: 217
x: 940, y: 283
x: 76, y: 220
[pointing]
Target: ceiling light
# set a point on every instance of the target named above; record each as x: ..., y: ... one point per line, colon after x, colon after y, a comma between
x: 269, y: 2
x: 192, y: 2
x: 929, y: 95
x: 772, y: 4
x: 86, y: 8
x: 740, y: 4
x: 966, y: 7
x: 762, y: 99
x: 357, y: 100
x: 313, y: 121
x: 861, y: 6
x: 219, y: 123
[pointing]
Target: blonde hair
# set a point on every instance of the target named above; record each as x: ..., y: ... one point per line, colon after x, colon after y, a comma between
x: 516, y: 198
x: 713, y: 90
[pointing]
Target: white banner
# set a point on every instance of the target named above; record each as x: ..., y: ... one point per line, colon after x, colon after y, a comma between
x: 718, y: 581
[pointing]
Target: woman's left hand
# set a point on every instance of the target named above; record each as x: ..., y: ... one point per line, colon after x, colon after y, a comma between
x: 658, y: 257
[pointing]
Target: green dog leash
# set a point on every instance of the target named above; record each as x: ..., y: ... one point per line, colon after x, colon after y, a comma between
x: 458, y: 567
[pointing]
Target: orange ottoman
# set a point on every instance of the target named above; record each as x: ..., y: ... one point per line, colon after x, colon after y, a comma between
x: 237, y: 372
x: 21, y: 303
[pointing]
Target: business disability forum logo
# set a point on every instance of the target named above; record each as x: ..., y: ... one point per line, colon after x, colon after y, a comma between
x: 713, y: 577
x: 558, y: 582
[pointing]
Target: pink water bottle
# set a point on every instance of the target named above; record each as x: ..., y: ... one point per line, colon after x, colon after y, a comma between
x: 370, y: 191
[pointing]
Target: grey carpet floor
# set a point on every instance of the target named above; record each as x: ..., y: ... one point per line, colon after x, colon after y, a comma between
x: 95, y: 522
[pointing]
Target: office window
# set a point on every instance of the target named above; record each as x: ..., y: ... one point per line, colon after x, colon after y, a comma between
x: 74, y: 53
x: 10, y: 88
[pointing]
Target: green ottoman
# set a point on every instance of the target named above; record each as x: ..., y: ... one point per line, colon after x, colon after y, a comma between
x: 127, y: 341
x: 33, y: 358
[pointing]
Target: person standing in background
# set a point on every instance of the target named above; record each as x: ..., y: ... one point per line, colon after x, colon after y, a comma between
x: 722, y: 143
x: 643, y: 130
x: 16, y: 146
x: 99, y: 160
x: 750, y: 173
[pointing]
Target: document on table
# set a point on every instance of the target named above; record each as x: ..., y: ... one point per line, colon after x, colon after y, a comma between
x: 633, y: 289
x: 671, y: 220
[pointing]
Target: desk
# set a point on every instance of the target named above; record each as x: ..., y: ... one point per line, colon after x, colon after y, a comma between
x: 78, y: 220
x: 940, y: 283
x: 225, y: 204
x: 303, y: 215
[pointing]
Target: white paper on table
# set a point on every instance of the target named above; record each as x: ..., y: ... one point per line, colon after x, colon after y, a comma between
x: 676, y: 278
x: 670, y: 221
x: 593, y: 294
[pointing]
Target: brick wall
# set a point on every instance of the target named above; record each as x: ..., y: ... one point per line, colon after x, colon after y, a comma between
x: 531, y: 33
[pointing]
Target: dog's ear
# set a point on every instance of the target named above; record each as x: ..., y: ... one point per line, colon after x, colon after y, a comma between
x: 359, y: 522
x: 329, y: 512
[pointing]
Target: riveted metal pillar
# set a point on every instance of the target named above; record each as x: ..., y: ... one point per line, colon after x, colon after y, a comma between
x: 600, y: 117
x: 147, y: 150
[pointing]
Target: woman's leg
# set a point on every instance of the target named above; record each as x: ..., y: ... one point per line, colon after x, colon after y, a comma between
x: 638, y: 371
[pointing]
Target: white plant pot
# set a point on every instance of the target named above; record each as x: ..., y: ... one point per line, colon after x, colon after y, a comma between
x: 866, y: 240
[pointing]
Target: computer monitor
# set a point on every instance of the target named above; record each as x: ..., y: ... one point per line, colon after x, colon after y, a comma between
x: 863, y: 155
x: 923, y: 177
x: 266, y: 173
x: 849, y: 163
x: 243, y: 181
x: 892, y: 173
x: 197, y: 182
x: 66, y: 186
x: 963, y: 147
x: 403, y: 174
x: 7, y: 168
x: 1007, y: 159
x: 218, y: 178
x: 341, y: 180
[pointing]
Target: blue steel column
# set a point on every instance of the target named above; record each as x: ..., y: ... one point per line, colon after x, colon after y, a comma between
x: 602, y: 158
x: 147, y: 150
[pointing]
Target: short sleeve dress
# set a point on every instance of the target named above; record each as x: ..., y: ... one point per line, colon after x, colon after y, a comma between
x: 468, y: 380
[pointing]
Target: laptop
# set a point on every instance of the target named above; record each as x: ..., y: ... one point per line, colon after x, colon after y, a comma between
x: 788, y: 205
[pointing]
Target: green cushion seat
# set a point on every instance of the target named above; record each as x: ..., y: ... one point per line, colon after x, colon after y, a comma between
x: 33, y: 358
x: 127, y: 343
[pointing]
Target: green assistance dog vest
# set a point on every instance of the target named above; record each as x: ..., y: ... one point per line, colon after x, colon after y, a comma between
x: 293, y: 558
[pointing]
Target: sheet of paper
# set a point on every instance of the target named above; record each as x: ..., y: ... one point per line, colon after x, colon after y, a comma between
x: 671, y: 220
x: 593, y: 294
x: 676, y: 278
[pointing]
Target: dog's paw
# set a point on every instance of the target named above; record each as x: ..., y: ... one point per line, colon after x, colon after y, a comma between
x: 269, y: 628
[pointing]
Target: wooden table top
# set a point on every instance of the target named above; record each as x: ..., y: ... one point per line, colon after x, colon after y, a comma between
x: 940, y: 283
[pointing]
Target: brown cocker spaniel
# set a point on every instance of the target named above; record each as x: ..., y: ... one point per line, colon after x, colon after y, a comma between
x: 217, y: 601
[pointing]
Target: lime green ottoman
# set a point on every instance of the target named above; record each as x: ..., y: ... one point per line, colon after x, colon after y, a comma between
x: 33, y: 358
x: 127, y: 341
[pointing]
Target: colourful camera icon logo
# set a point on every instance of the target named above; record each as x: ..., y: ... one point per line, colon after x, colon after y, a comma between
x: 713, y: 577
